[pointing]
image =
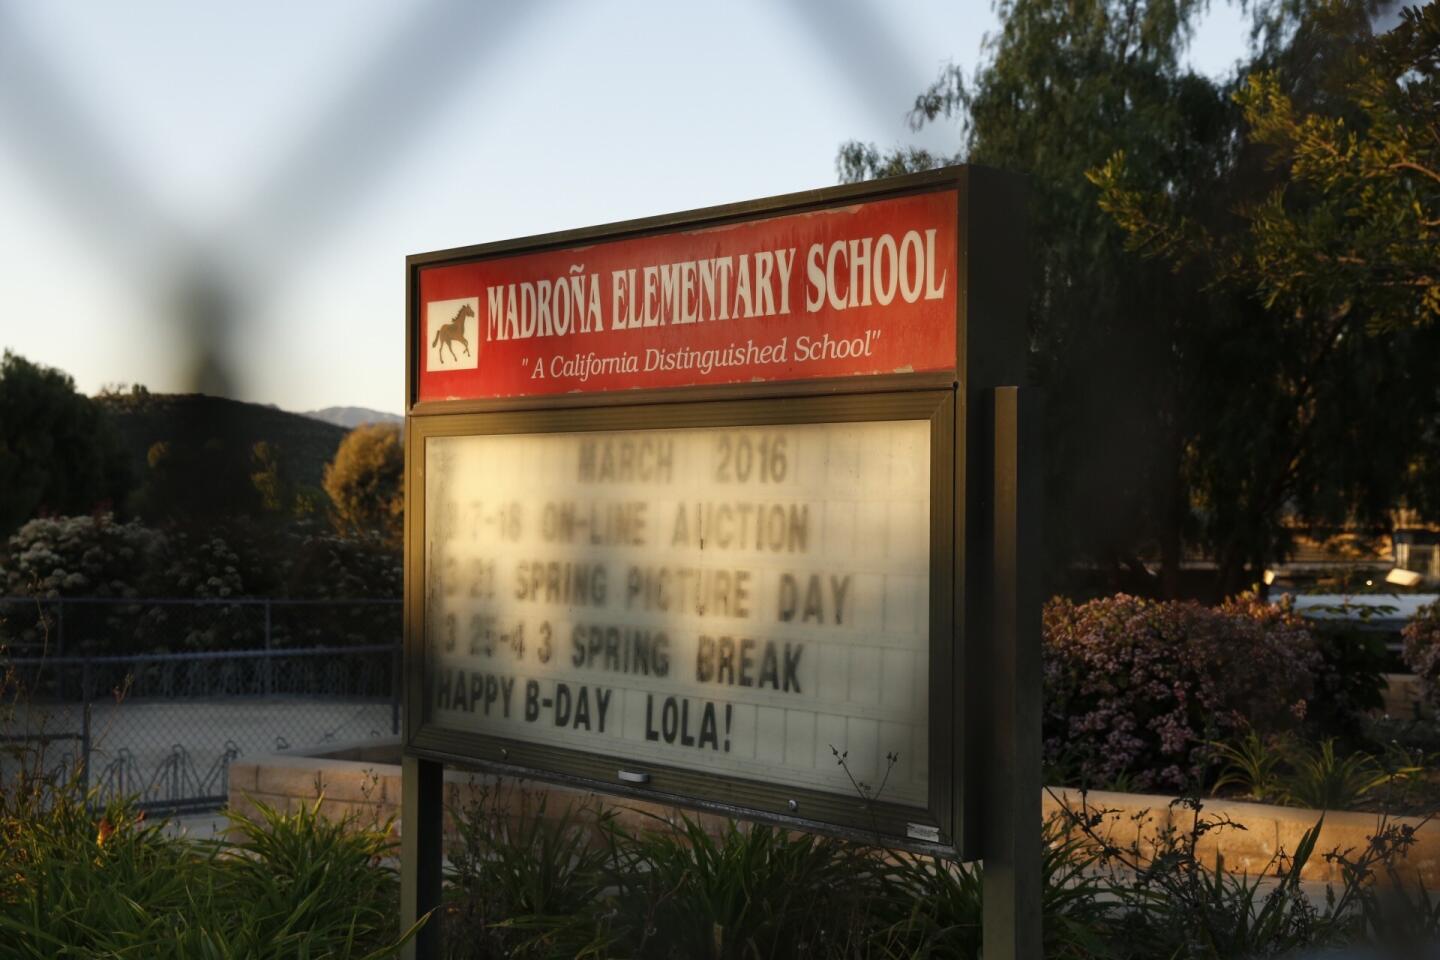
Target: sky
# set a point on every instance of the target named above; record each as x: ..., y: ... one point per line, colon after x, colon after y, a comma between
x: 278, y: 161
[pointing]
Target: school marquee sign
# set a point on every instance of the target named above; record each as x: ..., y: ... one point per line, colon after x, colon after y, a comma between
x: 697, y: 505
x: 861, y: 288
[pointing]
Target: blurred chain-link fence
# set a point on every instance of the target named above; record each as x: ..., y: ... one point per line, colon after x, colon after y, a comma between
x: 72, y: 626
x: 164, y: 725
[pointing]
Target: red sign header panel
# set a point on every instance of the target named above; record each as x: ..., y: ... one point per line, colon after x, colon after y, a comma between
x: 867, y: 288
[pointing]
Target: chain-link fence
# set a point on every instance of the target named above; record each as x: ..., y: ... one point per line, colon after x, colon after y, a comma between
x: 163, y: 727
x: 98, y: 626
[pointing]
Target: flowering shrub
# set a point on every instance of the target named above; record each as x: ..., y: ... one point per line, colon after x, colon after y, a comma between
x: 1134, y: 689
x: 1422, y: 652
x: 98, y: 557
x: 205, y: 567
x: 326, y: 566
x: 80, y: 557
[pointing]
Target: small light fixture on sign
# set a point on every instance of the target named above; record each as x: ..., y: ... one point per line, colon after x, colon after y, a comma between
x: 633, y: 776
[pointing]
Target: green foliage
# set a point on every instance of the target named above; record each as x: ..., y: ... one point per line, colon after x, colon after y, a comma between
x: 89, y: 556
x: 524, y: 880
x: 1170, y: 901
x: 1178, y: 906
x: 321, y: 565
x: 97, y: 885
x: 57, y: 452
x: 268, y: 478
x: 1117, y: 342
x: 366, y: 482
x: 1292, y: 771
x: 1137, y: 688
x: 310, y: 886
x: 933, y: 907
x: 750, y: 891
x: 1323, y: 779
x: 78, y: 882
x: 531, y: 882
x: 1251, y: 764
x: 168, y: 438
x: 1331, y: 205
x: 577, y: 884
x: 198, y: 481
x: 95, y: 556
x: 1209, y: 401
x: 1421, y: 652
x: 1353, y: 223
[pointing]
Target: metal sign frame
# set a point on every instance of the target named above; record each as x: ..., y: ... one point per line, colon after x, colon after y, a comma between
x: 971, y: 439
x: 814, y: 809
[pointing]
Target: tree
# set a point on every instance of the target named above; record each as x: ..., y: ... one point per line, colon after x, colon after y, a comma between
x: 1353, y: 225
x: 1062, y: 86
x: 1338, y: 242
x: 201, y: 480
x: 267, y: 476
x: 1182, y: 413
x: 365, y: 482
x: 58, y: 454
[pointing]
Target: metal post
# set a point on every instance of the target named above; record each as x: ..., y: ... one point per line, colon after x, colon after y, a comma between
x: 1011, y: 845
x: 269, y: 662
x: 422, y: 832
x: 396, y: 685
x: 85, y: 728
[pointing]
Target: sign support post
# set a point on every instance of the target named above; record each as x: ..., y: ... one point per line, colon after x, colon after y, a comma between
x: 1011, y: 925
x: 422, y: 819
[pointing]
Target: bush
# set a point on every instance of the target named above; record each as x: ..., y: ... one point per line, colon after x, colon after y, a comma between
x: 95, y: 556
x: 91, y: 556
x: 98, y: 557
x: 751, y: 891
x: 107, y: 883
x: 1135, y: 689
x: 366, y: 482
x: 1297, y: 772
x: 78, y: 882
x: 323, y: 567
x: 1422, y: 653
x: 525, y: 881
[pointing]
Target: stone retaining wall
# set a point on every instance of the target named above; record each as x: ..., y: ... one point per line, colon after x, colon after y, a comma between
x: 363, y: 782
x: 358, y: 781
x: 1262, y: 835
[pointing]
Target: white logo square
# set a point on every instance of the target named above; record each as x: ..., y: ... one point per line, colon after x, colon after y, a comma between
x: 452, y: 334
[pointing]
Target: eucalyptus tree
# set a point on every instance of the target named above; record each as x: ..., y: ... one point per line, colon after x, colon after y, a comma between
x: 1186, y: 414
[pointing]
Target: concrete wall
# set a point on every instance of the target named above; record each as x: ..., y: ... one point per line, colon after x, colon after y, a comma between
x: 356, y: 782
x: 1262, y: 834
x: 363, y: 782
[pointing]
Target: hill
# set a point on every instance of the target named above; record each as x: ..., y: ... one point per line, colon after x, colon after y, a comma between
x: 143, y: 419
x: 351, y: 417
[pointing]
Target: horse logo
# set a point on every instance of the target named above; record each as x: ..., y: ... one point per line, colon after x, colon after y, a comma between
x: 447, y: 322
x: 454, y: 330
